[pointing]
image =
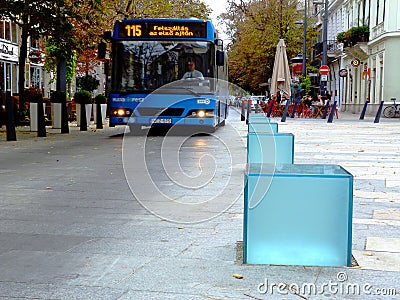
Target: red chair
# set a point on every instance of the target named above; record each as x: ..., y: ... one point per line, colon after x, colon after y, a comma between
x: 306, y: 111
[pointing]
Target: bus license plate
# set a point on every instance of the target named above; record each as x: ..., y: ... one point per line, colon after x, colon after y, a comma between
x: 161, y: 121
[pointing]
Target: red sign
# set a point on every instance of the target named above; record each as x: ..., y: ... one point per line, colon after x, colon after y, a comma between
x: 324, y: 70
x: 297, y: 69
x: 355, y: 62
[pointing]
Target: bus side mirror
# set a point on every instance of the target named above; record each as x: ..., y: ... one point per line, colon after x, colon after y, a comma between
x: 220, y: 58
x: 101, y: 50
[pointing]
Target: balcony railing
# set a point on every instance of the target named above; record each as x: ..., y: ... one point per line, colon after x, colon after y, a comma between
x: 377, y: 31
x: 355, y: 40
x: 332, y: 47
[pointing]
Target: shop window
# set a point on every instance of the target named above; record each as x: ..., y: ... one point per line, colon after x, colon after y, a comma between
x: 1, y: 29
x: 35, y: 77
x: 2, y: 79
x: 14, y: 32
x: 7, y: 33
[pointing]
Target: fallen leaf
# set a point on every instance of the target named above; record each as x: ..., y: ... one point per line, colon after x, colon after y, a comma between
x: 181, y: 227
x: 237, y: 276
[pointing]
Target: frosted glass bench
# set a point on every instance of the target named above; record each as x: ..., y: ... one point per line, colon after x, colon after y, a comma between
x: 297, y: 214
x: 271, y: 148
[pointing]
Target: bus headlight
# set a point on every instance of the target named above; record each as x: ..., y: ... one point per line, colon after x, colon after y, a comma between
x: 201, y: 113
x: 121, y: 112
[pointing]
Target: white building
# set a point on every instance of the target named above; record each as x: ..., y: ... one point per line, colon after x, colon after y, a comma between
x: 371, y: 65
x: 9, y: 53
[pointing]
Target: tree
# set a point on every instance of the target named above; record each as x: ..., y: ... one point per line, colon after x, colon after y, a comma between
x: 255, y: 27
x: 76, y: 26
x: 34, y: 18
x: 87, y: 83
x: 163, y: 9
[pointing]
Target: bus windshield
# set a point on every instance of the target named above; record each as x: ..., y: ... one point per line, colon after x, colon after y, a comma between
x: 144, y: 66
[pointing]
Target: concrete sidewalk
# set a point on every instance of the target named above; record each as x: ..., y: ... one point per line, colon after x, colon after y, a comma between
x: 71, y: 229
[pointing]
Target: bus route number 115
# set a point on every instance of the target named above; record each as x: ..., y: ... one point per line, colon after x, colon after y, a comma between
x: 134, y: 30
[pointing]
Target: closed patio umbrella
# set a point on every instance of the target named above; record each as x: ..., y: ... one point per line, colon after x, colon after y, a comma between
x: 281, y: 77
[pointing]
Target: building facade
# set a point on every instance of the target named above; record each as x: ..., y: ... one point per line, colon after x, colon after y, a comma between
x: 9, y: 53
x: 363, y: 66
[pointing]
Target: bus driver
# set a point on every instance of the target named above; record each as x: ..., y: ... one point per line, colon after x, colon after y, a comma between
x: 193, y: 73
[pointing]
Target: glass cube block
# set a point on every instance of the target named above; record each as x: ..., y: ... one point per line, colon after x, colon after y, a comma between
x: 260, y: 126
x: 256, y: 117
x: 270, y: 148
x: 298, y: 214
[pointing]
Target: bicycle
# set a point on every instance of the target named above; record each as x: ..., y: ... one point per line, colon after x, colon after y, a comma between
x: 391, y: 110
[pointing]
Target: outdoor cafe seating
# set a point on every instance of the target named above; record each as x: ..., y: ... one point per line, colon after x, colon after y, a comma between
x: 302, y: 110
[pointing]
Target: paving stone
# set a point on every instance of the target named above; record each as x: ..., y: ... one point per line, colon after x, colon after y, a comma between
x: 383, y: 244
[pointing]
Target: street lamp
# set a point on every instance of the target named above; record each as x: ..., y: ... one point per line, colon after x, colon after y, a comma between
x: 304, y: 56
x: 324, y: 42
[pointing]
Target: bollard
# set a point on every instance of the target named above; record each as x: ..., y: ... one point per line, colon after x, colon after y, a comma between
x: 270, y: 108
x: 285, y: 111
x: 248, y: 111
x: 99, y: 119
x: 330, y: 119
x: 364, y: 110
x: 10, y: 125
x: 242, y: 117
x: 325, y: 110
x: 294, y: 109
x: 41, y: 130
x: 378, y: 113
x: 64, y: 115
x: 84, y: 125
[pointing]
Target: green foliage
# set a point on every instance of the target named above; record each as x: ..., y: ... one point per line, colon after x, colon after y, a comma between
x: 305, y: 83
x: 340, y: 38
x: 58, y: 97
x: 88, y: 83
x: 83, y: 97
x: 255, y: 28
x: 353, y: 35
x: 100, y: 99
x: 55, y: 52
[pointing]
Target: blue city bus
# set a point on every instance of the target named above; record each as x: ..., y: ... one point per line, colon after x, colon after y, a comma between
x: 149, y: 59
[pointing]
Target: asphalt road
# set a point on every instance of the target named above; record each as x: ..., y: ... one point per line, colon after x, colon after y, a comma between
x: 91, y: 215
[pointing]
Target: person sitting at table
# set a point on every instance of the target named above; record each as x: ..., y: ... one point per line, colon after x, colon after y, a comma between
x: 307, y: 101
x: 321, y: 100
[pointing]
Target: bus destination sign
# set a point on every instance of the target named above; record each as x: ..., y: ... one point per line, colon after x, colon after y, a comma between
x: 138, y: 30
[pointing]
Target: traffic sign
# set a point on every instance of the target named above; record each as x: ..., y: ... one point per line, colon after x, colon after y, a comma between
x: 324, y: 77
x: 324, y: 70
x: 355, y: 62
x: 343, y: 72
